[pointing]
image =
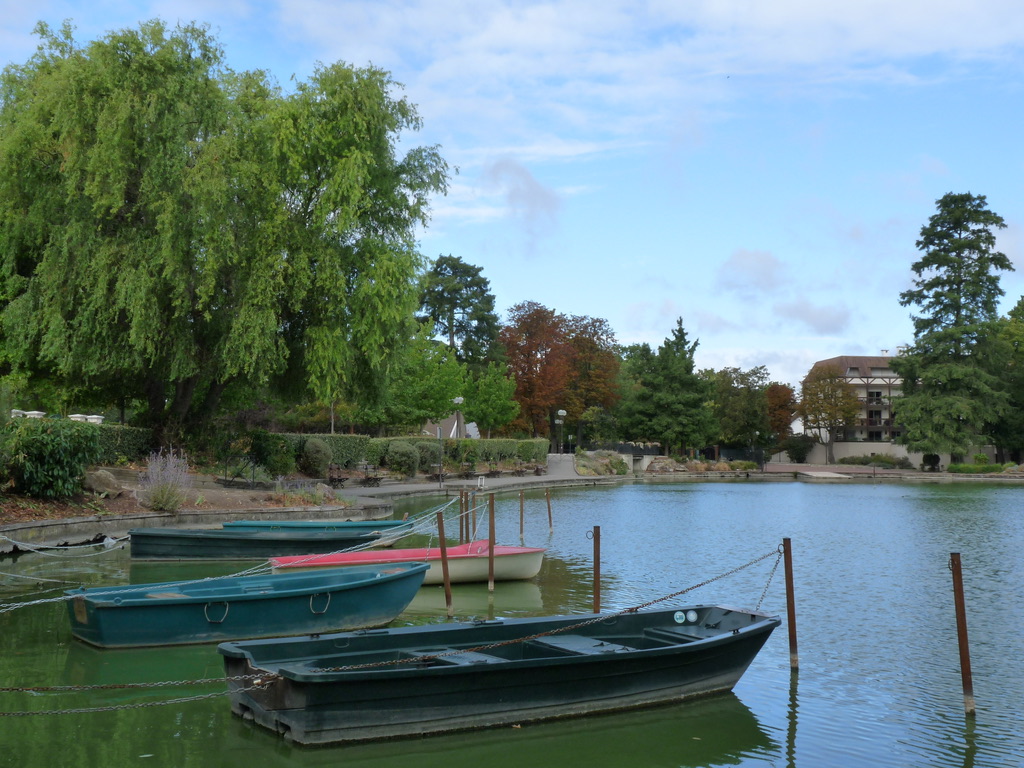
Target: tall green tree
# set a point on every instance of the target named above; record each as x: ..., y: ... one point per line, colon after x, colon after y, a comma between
x: 673, y: 404
x: 458, y: 298
x: 828, y: 402
x: 740, y: 406
x: 491, y: 401
x: 951, y: 393
x: 169, y: 227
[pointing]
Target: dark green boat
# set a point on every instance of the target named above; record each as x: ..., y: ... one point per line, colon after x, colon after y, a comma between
x: 212, y: 610
x: 411, y: 681
x: 241, y: 543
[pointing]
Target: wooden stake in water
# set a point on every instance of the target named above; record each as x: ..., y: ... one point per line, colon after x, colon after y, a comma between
x: 551, y: 525
x: 787, y: 553
x: 490, y: 543
x: 961, y: 633
x: 444, y: 565
x: 597, y: 568
x: 522, y: 516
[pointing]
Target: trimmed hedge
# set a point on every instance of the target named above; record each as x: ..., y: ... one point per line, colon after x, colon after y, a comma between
x: 350, y: 450
x: 119, y: 444
x: 975, y: 469
x: 879, y: 459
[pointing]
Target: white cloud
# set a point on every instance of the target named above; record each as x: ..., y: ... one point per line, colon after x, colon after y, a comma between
x: 824, y: 320
x: 751, y: 272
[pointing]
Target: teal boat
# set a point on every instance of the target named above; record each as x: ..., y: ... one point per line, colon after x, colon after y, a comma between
x: 417, y: 680
x: 236, y: 607
x: 242, y: 543
x: 389, y: 531
x: 388, y: 526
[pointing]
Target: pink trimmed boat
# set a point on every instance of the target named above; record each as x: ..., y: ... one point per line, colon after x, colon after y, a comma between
x: 466, y: 562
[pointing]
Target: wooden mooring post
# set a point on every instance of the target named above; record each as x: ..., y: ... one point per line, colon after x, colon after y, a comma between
x: 597, y: 568
x: 551, y: 525
x: 787, y: 556
x: 522, y: 516
x: 445, y: 576
x: 490, y: 543
x: 961, y: 633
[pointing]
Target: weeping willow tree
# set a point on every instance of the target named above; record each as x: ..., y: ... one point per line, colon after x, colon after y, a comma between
x: 169, y: 227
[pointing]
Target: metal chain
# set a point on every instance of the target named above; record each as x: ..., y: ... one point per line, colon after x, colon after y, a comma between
x: 770, y: 577
x: 558, y: 630
x: 258, y: 684
x: 114, y: 686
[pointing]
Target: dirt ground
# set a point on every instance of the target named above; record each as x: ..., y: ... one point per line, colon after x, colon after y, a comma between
x: 20, y: 509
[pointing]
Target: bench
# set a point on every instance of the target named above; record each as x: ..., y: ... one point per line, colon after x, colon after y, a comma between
x: 335, y: 476
x: 579, y: 644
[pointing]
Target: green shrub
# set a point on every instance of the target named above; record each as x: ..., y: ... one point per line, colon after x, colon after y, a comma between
x: 47, y: 458
x: 429, y: 453
x: 273, y: 452
x: 798, y: 447
x: 316, y: 455
x: 930, y: 462
x: 981, y: 458
x: 975, y: 469
x: 377, y: 450
x: 742, y: 465
x: 879, y: 460
x: 535, y: 450
x: 403, y: 458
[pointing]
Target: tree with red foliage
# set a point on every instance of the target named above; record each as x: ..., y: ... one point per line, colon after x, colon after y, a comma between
x: 541, y: 358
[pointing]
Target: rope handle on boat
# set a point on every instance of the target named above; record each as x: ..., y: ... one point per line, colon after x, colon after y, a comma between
x: 206, y: 611
x: 328, y: 605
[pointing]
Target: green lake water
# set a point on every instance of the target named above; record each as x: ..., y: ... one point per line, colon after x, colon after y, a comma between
x: 878, y: 685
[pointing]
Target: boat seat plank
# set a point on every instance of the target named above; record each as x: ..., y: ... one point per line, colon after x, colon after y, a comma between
x: 580, y: 644
x: 165, y: 594
x: 674, y: 636
x: 453, y: 656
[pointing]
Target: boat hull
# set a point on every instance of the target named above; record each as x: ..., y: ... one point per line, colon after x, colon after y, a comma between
x: 432, y: 680
x: 467, y: 563
x: 176, y: 613
x: 240, y: 544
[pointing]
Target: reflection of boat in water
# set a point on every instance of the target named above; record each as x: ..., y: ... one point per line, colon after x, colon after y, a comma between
x: 716, y: 731
x: 476, y: 600
x: 88, y: 665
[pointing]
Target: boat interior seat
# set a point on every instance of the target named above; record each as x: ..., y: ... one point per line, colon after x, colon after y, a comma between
x: 259, y: 588
x: 165, y: 594
x: 579, y: 644
x: 673, y: 636
x: 452, y: 656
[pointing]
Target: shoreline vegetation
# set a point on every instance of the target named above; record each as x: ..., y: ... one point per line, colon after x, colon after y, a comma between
x: 205, y: 494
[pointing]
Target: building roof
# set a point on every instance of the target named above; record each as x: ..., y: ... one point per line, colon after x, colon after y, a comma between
x: 862, y: 363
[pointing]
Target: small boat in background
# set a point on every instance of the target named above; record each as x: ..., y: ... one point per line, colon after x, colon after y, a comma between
x: 212, y: 610
x: 411, y: 681
x: 466, y: 562
x: 388, y: 526
x: 390, y: 531
x: 241, y: 544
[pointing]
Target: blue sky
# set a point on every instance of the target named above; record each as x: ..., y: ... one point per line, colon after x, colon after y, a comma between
x: 761, y: 169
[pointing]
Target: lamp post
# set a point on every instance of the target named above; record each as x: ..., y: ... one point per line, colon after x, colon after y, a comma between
x: 559, y: 422
x: 458, y: 418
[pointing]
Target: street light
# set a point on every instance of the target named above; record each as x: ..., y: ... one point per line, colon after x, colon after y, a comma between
x: 560, y: 421
x: 458, y: 418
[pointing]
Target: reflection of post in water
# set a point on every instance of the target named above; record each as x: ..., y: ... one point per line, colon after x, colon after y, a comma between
x: 794, y: 676
x: 970, y: 741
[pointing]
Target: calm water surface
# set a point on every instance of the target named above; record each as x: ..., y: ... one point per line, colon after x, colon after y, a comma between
x: 879, y: 680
